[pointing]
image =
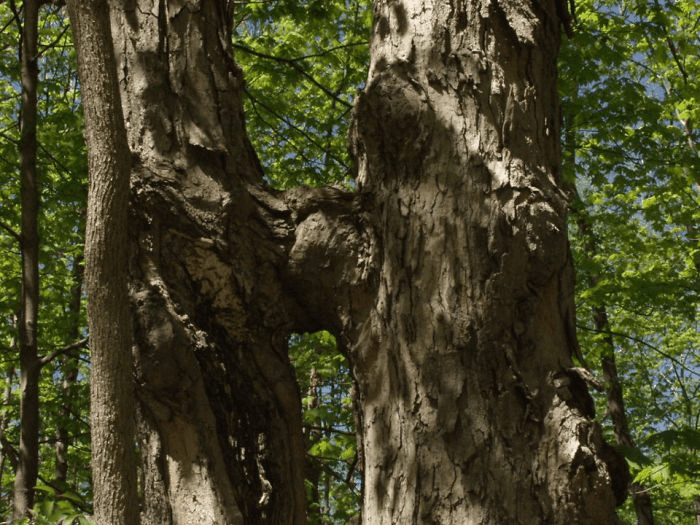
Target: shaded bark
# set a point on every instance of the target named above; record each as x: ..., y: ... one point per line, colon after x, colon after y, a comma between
x: 446, y: 277
x: 109, y: 319
x: 28, y: 462
x: 219, y: 404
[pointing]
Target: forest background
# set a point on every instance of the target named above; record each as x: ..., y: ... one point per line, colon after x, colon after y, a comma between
x: 630, y: 98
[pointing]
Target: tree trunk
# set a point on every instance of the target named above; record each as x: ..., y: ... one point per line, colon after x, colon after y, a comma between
x: 446, y: 277
x: 614, y: 395
x: 5, y: 452
x: 28, y: 464
x: 109, y: 318
x: 69, y: 371
x: 472, y: 413
x: 220, y: 413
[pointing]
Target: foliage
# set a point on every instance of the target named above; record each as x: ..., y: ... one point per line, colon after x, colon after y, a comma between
x: 63, y: 179
x: 303, y: 63
x: 53, y: 508
x: 324, y: 380
x: 630, y: 98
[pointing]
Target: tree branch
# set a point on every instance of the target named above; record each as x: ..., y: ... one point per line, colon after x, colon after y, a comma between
x: 12, y: 232
x: 55, y: 41
x: 256, y: 102
x: 642, y: 342
x: 292, y: 62
x: 60, y: 351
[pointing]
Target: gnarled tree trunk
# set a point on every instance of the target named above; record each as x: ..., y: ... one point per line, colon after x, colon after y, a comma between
x: 446, y: 276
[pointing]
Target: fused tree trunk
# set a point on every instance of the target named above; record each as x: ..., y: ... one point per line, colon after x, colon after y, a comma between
x: 28, y: 460
x: 446, y: 277
x: 220, y: 413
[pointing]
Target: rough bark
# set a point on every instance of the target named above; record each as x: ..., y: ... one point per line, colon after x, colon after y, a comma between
x: 28, y: 461
x: 472, y: 411
x: 109, y: 318
x: 446, y: 277
x: 219, y: 405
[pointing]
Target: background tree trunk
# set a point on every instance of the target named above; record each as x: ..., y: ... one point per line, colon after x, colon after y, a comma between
x: 28, y: 461
x: 69, y: 372
x: 109, y: 318
x: 6, y: 453
x: 615, y: 401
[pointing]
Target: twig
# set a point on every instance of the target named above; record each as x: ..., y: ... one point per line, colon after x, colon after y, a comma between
x: 292, y: 62
x: 12, y: 232
x: 53, y: 355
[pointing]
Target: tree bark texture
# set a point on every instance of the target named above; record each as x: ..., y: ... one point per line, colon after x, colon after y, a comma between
x: 446, y: 277
x: 220, y: 412
x: 472, y: 411
x: 28, y: 461
x: 112, y: 421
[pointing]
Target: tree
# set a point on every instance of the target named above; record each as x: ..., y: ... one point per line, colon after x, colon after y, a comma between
x: 111, y: 390
x: 445, y: 277
x: 302, y: 140
x: 28, y: 463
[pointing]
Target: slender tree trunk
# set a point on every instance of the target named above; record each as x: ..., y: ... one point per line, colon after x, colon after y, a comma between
x: 69, y: 370
x: 313, y: 468
x: 28, y: 465
x: 614, y: 394
x: 616, y: 411
x: 111, y: 387
x: 446, y: 276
